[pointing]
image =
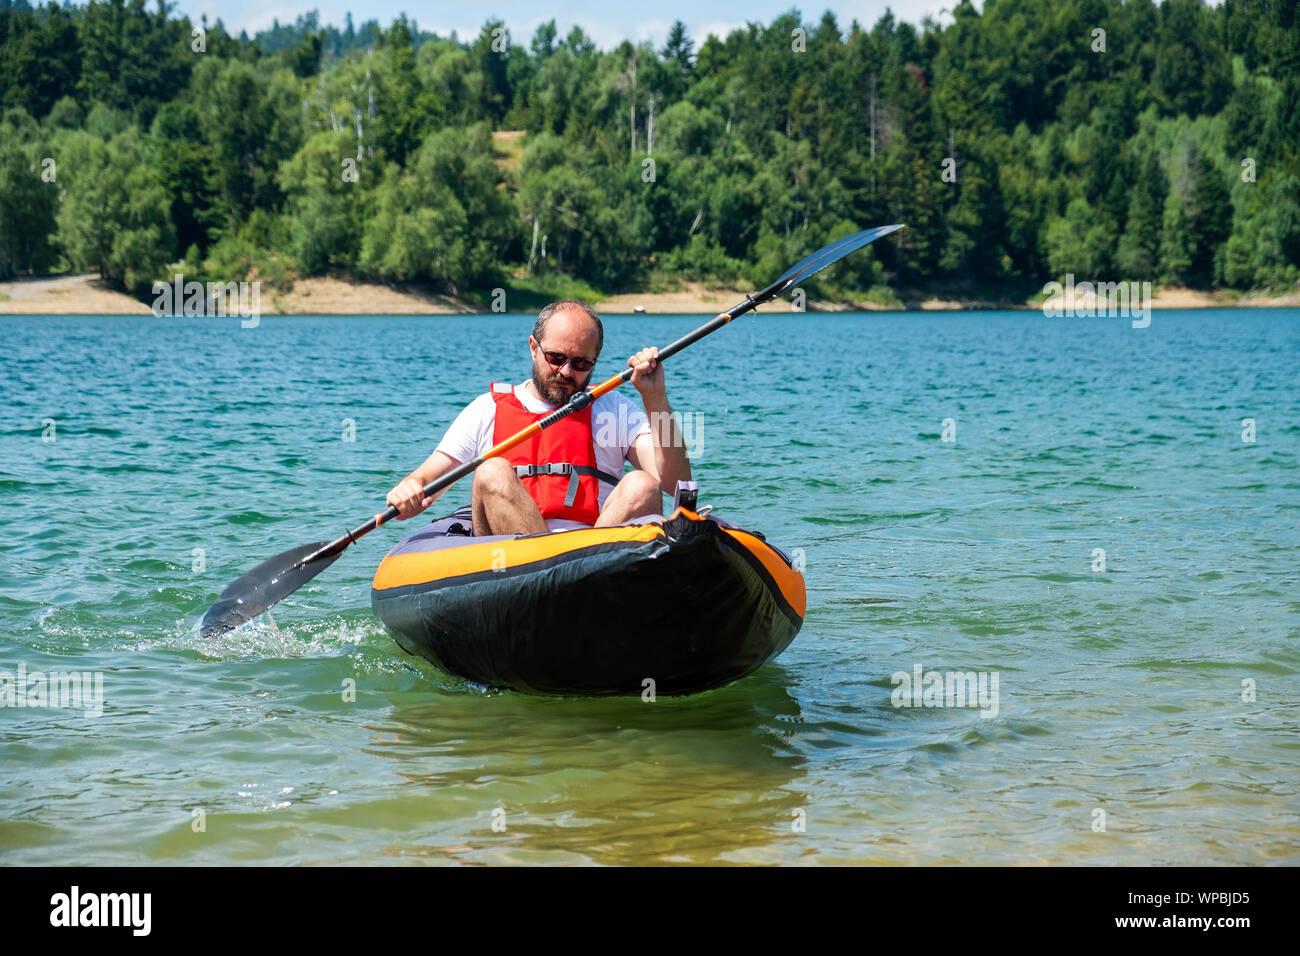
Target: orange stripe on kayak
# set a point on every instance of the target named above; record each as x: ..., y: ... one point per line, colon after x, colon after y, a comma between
x: 787, y: 579
x: 400, y: 570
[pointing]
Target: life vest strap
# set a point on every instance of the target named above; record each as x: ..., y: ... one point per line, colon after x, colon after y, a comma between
x: 566, y: 468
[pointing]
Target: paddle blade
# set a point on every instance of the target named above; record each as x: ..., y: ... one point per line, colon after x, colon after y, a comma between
x: 823, y: 257
x: 269, y: 582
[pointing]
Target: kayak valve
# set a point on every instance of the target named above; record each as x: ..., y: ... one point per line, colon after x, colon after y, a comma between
x: 686, y: 495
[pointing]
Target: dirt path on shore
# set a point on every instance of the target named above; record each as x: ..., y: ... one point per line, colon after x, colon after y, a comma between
x: 66, y: 295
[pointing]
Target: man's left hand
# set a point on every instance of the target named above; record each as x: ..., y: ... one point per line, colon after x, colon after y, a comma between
x: 647, y: 374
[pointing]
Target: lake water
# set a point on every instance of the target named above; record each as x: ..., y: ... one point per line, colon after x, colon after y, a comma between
x: 1101, y: 535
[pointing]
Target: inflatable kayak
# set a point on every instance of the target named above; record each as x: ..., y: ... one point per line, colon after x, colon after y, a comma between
x: 689, y: 603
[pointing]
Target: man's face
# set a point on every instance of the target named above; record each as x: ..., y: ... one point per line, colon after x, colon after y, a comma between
x: 573, y: 335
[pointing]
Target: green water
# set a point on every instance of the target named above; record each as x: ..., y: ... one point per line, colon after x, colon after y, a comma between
x: 1120, y: 690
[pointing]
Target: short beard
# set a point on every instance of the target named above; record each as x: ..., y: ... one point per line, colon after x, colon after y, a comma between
x: 549, y: 392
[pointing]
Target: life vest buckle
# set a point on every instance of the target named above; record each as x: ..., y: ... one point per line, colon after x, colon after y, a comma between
x: 551, y: 468
x: 554, y: 468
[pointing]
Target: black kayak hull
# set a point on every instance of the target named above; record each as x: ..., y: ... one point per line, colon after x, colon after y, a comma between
x: 668, y: 609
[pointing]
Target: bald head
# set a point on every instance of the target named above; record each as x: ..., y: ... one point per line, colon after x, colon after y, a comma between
x: 574, y: 308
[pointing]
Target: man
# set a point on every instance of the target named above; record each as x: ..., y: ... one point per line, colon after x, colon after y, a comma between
x: 580, y: 458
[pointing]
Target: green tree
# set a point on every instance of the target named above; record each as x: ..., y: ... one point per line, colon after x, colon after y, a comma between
x: 113, y: 217
x: 1080, y: 242
x: 132, y: 60
x: 679, y: 57
x: 1193, y: 72
x: 27, y: 206
x: 491, y: 57
x: 1263, y: 251
x: 1138, y: 252
x: 403, y: 110
x: 40, y: 58
x: 327, y: 198
x: 543, y: 44
x: 1176, y: 248
x: 184, y: 167
x: 305, y: 58
x: 1209, y: 218
x: 443, y: 219
x: 65, y: 114
x: 251, y: 123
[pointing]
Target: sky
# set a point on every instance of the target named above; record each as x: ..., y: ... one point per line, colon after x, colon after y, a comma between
x: 607, y: 23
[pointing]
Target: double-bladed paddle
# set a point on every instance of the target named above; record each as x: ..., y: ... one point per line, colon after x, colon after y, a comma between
x: 278, y: 577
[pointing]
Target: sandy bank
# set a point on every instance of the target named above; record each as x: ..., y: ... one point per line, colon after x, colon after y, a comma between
x: 66, y: 295
x: 88, y: 295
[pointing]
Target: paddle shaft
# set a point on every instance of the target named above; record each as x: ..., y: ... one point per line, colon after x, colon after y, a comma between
x: 579, y: 401
x: 276, y: 578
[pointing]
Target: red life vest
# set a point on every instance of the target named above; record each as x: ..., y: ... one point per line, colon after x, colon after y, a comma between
x: 557, y: 465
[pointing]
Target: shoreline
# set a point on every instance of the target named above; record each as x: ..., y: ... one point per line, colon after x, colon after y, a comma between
x: 89, y: 295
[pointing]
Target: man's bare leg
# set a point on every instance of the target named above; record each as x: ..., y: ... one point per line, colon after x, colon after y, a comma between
x: 635, y: 495
x: 501, y: 503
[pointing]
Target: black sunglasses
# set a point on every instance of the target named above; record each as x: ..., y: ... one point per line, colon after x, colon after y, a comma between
x: 557, y: 360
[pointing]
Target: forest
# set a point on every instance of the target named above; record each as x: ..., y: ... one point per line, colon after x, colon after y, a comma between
x: 1023, y: 140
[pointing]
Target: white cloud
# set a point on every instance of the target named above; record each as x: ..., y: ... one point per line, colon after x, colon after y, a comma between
x: 867, y: 12
x: 251, y: 17
x: 605, y: 26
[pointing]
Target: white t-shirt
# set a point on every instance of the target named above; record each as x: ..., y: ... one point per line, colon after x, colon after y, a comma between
x: 616, y: 423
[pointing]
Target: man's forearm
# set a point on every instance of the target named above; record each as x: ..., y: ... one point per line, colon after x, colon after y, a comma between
x: 432, y: 468
x: 670, y: 449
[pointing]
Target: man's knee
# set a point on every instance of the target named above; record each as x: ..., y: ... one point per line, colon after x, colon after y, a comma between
x: 642, y: 489
x: 495, y: 476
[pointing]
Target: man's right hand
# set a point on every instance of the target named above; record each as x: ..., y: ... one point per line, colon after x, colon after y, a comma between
x: 408, y: 498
